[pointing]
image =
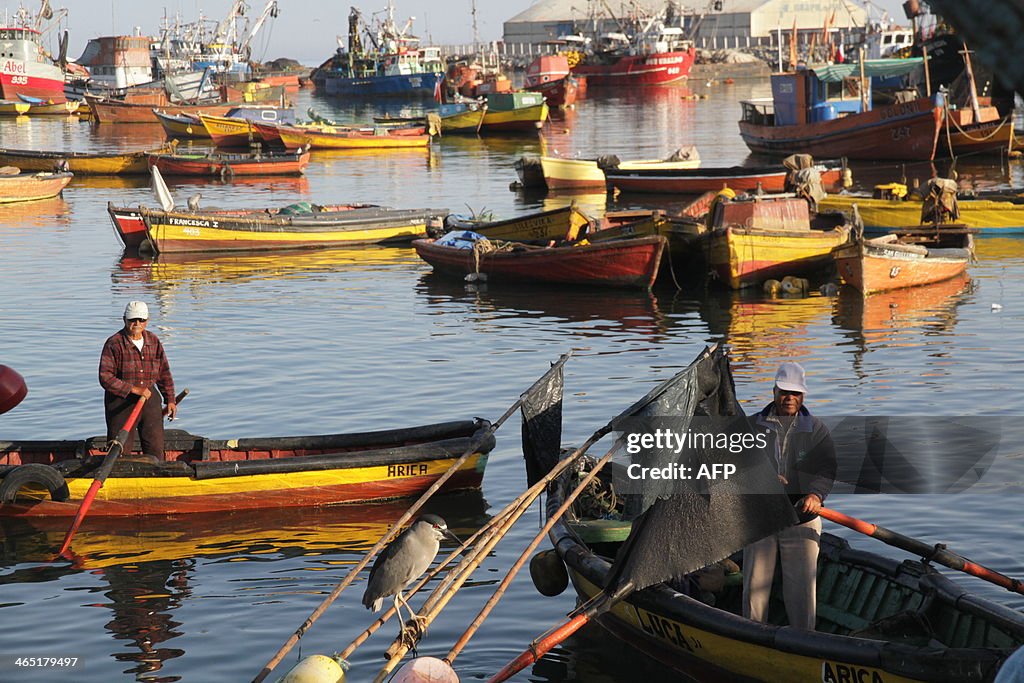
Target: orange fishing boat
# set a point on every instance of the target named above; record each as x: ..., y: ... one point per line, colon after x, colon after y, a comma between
x: 228, y: 165
x: 25, y: 187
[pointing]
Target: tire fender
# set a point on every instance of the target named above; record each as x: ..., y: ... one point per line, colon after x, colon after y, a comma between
x: 37, y: 475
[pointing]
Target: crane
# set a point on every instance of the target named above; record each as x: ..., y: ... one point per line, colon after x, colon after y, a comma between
x: 271, y: 10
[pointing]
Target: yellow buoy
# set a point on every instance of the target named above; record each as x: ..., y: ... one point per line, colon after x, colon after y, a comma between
x: 426, y: 670
x: 316, y: 669
x: 772, y: 287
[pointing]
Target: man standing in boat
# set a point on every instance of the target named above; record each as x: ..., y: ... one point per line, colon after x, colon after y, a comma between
x: 804, y: 455
x: 133, y: 365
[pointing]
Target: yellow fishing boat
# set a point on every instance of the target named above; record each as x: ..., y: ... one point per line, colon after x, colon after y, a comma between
x: 66, y: 108
x: 337, y: 137
x: 763, y: 238
x: 468, y: 120
x: 991, y: 216
x: 9, y: 108
x: 226, y: 131
x: 79, y: 163
x: 515, y: 120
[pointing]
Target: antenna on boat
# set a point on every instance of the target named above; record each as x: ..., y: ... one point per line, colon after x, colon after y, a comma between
x: 476, y: 33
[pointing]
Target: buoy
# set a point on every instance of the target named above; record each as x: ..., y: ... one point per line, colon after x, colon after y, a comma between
x: 997, y: 307
x: 426, y: 670
x: 772, y: 287
x: 548, y: 573
x: 316, y: 669
x: 12, y: 388
x: 829, y: 289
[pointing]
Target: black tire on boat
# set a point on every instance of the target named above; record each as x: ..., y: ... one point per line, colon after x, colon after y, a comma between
x: 37, y: 475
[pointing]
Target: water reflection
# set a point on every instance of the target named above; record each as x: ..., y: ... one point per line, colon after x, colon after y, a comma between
x: 19, y: 216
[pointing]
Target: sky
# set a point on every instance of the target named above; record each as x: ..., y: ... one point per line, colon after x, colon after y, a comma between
x: 306, y: 30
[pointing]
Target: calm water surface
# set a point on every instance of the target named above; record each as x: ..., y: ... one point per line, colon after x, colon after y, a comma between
x: 358, y: 339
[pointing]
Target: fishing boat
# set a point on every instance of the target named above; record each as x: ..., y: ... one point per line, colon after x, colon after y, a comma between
x: 41, y: 107
x: 187, y: 126
x: 25, y: 187
x: 50, y: 478
x: 617, y: 263
x: 462, y: 117
x: 341, y: 137
x: 182, y: 231
x: 106, y: 110
x: 592, y: 174
x: 990, y: 215
x: 550, y: 76
x: 237, y: 129
x: 396, y: 66
x: 814, y: 111
x: 228, y: 165
x: 563, y: 224
x: 79, y: 163
x: 771, y: 179
x: 925, y: 627
x: 14, y: 108
x: 912, y: 257
x: 27, y: 70
x: 657, y: 56
x: 512, y: 112
x: 754, y: 239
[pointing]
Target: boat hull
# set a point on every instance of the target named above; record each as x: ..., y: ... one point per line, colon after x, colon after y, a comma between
x: 31, y: 79
x: 907, y: 131
x: 520, y: 120
x: 251, y: 474
x: 870, y: 267
x: 561, y: 92
x: 114, y: 111
x: 225, y: 165
x: 989, y: 217
x: 572, y: 174
x: 182, y: 126
x: 185, y: 232
x: 767, y: 179
x: 622, y: 263
x: 392, y: 138
x: 403, y: 85
x: 79, y: 163
x: 228, y: 132
x: 558, y: 224
x: 654, y: 69
x: 746, y: 257
x: 28, y: 187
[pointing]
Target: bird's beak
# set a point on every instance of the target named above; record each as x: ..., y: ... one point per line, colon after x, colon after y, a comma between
x: 452, y: 537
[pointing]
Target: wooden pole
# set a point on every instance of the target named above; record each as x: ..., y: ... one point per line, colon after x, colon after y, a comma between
x: 927, y: 72
x: 973, y: 87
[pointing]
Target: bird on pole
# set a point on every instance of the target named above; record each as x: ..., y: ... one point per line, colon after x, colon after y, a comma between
x: 403, y: 561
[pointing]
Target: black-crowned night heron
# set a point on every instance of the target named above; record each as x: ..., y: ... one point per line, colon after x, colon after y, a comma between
x: 193, y: 202
x: 402, y: 562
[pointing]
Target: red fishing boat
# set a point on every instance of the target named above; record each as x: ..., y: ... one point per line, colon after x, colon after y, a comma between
x: 813, y: 112
x: 228, y: 165
x: 106, y: 110
x: 616, y: 263
x: 25, y: 69
x: 50, y: 478
x: 549, y: 75
x: 771, y: 179
x: 907, y: 258
x: 649, y: 59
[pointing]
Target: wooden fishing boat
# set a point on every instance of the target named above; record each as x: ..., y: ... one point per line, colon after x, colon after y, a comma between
x: 79, y: 163
x: 563, y: 224
x: 339, y: 137
x: 616, y: 263
x: 49, y: 478
x: 228, y: 165
x: 106, y: 110
x: 25, y: 187
x: 771, y: 179
x: 879, y: 620
x: 14, y: 108
x: 130, y: 227
x: 549, y: 75
x: 227, y: 131
x: 462, y: 117
x: 513, y: 112
x: 46, y: 108
x: 812, y: 113
x: 561, y: 92
x: 990, y: 215
x: 756, y: 239
x: 967, y: 132
x: 181, y: 125
x: 912, y: 257
x: 182, y: 231
x: 592, y: 174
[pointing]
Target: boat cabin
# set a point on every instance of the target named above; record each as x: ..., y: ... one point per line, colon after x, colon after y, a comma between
x: 822, y: 93
x: 21, y: 44
x: 118, y: 61
x: 408, y: 62
x: 889, y: 43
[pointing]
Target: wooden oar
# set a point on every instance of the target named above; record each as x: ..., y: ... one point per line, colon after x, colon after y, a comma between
x: 927, y: 552
x: 104, y: 470
x: 387, y: 537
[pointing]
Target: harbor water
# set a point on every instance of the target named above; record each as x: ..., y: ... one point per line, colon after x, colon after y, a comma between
x: 368, y: 338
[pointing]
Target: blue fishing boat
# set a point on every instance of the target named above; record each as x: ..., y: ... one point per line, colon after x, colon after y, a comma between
x: 395, y: 65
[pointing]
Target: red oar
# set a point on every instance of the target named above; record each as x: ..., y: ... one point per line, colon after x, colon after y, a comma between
x: 935, y: 553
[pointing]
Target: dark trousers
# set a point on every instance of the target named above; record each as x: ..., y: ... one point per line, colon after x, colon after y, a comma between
x: 150, y: 425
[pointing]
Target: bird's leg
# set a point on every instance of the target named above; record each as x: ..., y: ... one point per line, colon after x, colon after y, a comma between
x: 416, y: 620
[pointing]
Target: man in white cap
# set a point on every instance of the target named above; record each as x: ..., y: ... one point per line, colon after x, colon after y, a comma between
x: 132, y: 365
x: 805, y: 458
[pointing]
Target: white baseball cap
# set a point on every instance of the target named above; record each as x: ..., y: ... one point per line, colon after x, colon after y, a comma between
x: 136, y: 309
x: 790, y: 377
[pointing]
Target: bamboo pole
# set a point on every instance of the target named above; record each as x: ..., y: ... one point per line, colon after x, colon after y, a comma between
x: 392, y: 532
x: 500, y: 591
x: 458, y: 576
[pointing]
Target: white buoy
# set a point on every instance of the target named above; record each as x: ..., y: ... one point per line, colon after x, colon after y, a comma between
x: 997, y: 307
x: 426, y: 670
x: 316, y: 669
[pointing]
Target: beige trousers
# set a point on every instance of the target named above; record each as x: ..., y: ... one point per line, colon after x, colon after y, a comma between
x: 797, y: 549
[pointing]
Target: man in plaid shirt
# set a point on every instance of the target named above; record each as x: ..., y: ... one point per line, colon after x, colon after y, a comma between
x: 132, y: 365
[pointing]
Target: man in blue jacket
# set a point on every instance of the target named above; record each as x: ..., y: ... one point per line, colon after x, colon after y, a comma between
x: 804, y: 455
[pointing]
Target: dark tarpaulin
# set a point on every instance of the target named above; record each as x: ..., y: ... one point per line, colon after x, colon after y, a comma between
x: 541, y: 408
x: 696, y: 526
